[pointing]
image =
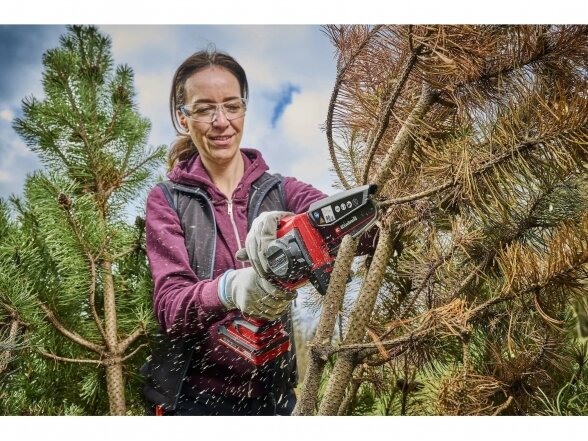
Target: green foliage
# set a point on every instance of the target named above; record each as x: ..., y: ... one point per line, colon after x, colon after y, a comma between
x: 66, y: 250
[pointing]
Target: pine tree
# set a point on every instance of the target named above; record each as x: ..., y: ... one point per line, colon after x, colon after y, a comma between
x: 74, y: 271
x: 477, y: 139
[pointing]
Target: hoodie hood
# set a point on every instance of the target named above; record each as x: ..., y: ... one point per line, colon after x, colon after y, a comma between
x: 191, y: 172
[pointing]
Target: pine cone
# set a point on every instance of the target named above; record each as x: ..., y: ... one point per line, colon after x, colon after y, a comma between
x: 64, y: 200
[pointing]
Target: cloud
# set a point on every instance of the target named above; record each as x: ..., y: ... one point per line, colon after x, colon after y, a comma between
x: 128, y: 41
x: 7, y: 115
x: 283, y: 100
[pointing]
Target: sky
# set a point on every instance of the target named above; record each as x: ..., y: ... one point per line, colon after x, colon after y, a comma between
x: 290, y: 68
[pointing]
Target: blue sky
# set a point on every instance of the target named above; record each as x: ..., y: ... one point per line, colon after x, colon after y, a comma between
x: 291, y: 69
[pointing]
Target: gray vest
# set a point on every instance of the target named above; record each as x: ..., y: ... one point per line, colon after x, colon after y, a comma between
x: 170, y: 360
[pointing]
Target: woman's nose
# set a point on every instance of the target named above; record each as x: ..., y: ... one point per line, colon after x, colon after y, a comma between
x: 220, y: 119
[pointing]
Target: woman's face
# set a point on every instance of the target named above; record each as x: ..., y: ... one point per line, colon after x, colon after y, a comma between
x: 218, y: 141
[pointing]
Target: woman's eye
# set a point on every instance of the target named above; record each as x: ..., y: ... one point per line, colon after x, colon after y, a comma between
x: 203, y: 110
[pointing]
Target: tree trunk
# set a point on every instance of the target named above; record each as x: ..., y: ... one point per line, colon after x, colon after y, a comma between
x: 116, y: 389
x: 114, y: 374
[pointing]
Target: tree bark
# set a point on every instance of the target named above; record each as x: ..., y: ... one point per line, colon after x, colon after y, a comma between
x: 114, y: 371
x: 406, y: 134
x: 331, y: 306
x: 360, y: 317
x: 10, y: 343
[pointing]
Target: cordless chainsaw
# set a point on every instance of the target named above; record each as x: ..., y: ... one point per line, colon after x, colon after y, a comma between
x: 304, y: 250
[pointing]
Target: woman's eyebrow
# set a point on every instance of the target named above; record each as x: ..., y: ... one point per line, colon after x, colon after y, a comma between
x: 209, y: 101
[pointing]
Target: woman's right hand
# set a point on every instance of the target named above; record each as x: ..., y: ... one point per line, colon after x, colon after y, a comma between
x: 245, y: 290
x: 262, y: 232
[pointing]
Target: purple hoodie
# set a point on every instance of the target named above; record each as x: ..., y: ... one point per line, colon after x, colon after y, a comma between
x: 180, y: 298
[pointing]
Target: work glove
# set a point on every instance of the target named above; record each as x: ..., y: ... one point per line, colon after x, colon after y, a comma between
x: 252, y: 295
x: 263, y: 230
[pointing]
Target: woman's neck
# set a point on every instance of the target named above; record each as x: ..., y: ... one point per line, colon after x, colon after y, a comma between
x: 227, y: 176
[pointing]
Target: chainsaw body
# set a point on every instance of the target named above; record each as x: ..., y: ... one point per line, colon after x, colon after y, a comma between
x: 304, y: 250
x: 307, y: 243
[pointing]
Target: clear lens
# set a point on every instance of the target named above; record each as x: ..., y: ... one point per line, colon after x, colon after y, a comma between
x: 204, y: 112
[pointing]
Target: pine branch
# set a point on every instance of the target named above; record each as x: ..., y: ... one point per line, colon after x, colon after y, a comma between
x: 65, y: 202
x: 360, y: 316
x: 132, y: 338
x: 81, y: 129
x: 433, y: 266
x: 69, y: 334
x: 484, y: 168
x: 426, y: 330
x: 332, y: 305
x: 136, y: 168
x: 137, y: 349
x: 338, y: 82
x: 70, y: 360
x: 503, y: 406
x: 10, y: 342
x: 75, y: 228
x: 385, y: 119
x: 92, y: 297
x: 125, y: 253
x: 405, y: 136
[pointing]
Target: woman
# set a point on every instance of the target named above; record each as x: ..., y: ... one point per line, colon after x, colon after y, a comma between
x: 196, y: 223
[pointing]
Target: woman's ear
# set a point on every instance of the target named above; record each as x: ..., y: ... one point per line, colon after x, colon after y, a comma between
x: 182, y: 120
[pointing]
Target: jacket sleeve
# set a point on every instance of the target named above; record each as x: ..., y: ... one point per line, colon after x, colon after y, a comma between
x: 299, y: 195
x: 182, y: 303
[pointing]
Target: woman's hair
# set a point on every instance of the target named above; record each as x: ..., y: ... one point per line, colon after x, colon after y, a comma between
x: 183, y: 147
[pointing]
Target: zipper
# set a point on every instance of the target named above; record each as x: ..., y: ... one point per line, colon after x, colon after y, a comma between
x: 235, y: 230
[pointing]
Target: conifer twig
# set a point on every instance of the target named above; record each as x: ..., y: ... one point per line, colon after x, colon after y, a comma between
x: 503, y: 406
x: 131, y: 354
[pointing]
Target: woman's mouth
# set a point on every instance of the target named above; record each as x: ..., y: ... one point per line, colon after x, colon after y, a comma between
x: 221, y: 140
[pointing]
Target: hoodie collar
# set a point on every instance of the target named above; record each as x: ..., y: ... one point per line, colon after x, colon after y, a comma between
x: 191, y: 172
